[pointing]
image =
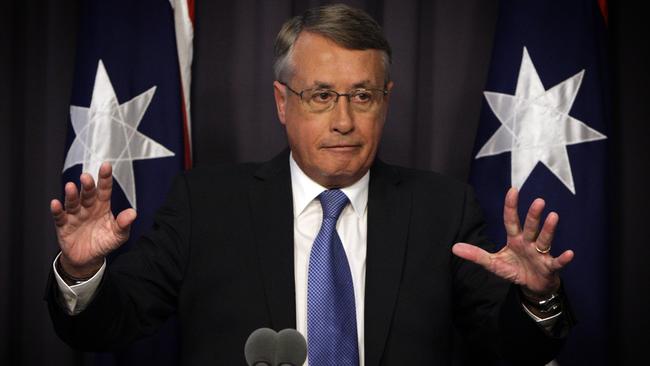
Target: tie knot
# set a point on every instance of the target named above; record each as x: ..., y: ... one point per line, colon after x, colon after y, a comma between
x: 333, y: 201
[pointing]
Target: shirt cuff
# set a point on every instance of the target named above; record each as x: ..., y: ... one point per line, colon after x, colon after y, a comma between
x: 77, y: 297
x: 546, y: 323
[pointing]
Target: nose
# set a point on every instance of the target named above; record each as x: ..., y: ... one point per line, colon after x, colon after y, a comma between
x: 342, y: 117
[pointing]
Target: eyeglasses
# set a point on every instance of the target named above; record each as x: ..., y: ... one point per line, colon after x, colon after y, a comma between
x: 323, y: 100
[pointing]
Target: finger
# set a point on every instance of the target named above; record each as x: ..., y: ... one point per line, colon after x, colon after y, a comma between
x: 105, y: 182
x: 545, y: 238
x: 88, y: 190
x: 71, y: 201
x: 59, y: 215
x: 510, y: 215
x: 472, y: 253
x: 124, y: 220
x: 562, y: 260
x: 533, y: 217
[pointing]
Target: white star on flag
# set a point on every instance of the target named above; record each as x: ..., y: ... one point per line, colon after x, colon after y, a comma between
x: 107, y: 131
x: 536, y: 126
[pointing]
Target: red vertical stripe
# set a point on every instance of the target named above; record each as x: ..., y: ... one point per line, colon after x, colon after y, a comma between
x: 190, y: 8
x: 601, y: 3
x: 186, y: 133
x: 187, y: 160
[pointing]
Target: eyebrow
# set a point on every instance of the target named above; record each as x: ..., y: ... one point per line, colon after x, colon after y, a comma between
x: 324, y: 85
x: 362, y: 84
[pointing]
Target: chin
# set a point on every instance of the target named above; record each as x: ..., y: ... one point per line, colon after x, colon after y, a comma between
x: 339, y: 178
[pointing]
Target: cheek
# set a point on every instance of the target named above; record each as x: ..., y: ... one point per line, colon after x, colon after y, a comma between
x: 303, y: 135
x: 373, y: 133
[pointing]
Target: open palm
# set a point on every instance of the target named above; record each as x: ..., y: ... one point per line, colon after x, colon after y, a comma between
x: 525, y: 259
x: 86, y: 229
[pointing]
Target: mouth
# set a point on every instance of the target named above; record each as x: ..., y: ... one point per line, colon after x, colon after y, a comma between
x: 342, y: 148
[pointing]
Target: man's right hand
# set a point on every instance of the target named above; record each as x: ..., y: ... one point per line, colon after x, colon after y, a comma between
x: 86, y: 229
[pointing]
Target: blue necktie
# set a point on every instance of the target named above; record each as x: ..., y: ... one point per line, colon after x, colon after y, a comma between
x: 331, y: 315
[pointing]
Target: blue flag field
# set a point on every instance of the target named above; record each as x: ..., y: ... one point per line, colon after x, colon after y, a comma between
x: 128, y: 108
x: 544, y: 129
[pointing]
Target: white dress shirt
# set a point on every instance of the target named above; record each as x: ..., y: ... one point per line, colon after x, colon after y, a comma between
x: 351, y: 227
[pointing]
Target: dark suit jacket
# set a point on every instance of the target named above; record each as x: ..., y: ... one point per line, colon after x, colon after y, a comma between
x: 220, y: 255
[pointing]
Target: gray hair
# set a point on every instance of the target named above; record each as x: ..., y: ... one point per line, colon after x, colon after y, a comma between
x: 346, y: 26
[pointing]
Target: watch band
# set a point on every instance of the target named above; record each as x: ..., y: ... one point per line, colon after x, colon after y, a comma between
x: 549, y: 305
x: 68, y: 278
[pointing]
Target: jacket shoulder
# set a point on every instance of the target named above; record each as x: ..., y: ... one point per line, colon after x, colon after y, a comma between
x: 423, y: 180
x: 238, y: 175
x: 221, y: 173
x: 220, y: 176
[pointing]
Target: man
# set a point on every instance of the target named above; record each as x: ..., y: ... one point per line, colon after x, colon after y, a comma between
x: 354, y: 253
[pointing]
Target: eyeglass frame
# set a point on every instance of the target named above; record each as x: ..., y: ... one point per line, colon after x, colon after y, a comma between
x: 348, y: 95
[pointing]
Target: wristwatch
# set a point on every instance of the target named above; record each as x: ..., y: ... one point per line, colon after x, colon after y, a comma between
x: 69, y: 279
x: 549, y: 305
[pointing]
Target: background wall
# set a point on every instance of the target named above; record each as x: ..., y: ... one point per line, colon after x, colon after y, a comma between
x: 441, y: 55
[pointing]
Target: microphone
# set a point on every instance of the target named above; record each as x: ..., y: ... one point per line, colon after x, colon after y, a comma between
x: 265, y: 347
x: 260, y: 347
x: 291, y: 348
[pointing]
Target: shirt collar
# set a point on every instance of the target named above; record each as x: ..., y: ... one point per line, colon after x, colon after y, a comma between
x: 306, y: 190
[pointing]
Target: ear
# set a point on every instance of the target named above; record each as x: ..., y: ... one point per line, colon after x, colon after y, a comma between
x: 389, y: 87
x: 280, y: 94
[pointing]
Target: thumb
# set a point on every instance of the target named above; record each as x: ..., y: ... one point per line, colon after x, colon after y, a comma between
x: 472, y: 253
x: 124, y: 220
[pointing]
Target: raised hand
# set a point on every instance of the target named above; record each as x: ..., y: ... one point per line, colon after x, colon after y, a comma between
x: 85, y: 226
x: 525, y: 259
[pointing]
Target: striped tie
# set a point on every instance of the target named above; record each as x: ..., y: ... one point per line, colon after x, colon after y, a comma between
x: 331, y: 315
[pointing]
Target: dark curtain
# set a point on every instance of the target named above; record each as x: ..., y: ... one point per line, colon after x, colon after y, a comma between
x: 441, y: 55
x: 630, y: 55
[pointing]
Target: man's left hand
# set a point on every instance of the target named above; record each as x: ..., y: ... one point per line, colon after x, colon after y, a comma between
x: 525, y: 259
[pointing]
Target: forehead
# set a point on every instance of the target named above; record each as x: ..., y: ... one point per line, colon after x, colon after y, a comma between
x: 317, y: 59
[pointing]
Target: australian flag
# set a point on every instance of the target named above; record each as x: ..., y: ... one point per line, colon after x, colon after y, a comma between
x: 544, y: 129
x: 130, y: 107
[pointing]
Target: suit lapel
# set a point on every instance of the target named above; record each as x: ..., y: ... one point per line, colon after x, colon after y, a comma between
x: 271, y: 204
x: 389, y: 209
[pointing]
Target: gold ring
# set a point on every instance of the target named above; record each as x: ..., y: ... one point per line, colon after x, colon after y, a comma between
x: 542, y: 251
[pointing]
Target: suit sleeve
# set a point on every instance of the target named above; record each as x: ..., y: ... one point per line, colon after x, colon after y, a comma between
x: 488, y: 311
x: 139, y: 290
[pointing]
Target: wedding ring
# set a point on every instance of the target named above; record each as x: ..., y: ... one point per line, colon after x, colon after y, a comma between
x: 540, y: 251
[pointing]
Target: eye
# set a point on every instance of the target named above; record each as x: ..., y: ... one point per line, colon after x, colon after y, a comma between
x: 322, y: 96
x: 362, y: 96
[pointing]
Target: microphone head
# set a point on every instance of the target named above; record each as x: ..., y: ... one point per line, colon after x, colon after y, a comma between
x: 291, y: 349
x: 260, y: 348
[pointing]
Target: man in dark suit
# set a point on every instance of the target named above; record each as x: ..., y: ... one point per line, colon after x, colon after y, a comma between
x: 241, y: 247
